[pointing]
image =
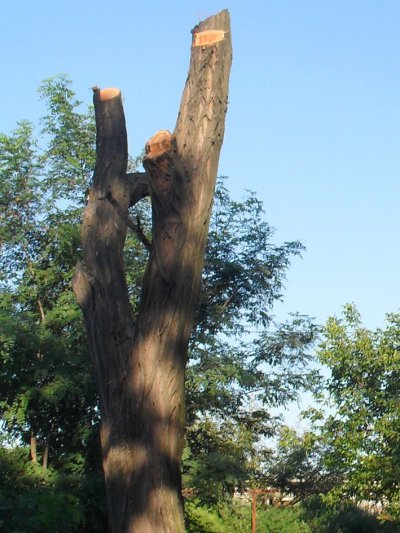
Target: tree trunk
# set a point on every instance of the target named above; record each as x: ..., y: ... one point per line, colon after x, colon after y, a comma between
x: 33, y: 448
x: 46, y: 450
x: 140, y: 363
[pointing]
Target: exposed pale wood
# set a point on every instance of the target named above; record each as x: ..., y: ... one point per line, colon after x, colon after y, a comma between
x: 206, y: 38
x: 107, y: 94
x: 159, y: 144
x: 41, y: 311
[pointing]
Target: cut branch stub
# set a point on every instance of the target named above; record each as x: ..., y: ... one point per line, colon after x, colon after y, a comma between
x: 111, y: 145
x: 99, y: 283
x: 158, y: 144
x: 165, y: 180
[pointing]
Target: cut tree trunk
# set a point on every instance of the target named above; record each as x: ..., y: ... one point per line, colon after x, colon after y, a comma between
x: 140, y: 361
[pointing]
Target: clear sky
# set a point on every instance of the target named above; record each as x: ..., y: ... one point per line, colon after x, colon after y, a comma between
x: 313, y: 124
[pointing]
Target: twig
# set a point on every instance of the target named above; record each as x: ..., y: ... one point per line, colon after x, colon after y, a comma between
x: 136, y: 228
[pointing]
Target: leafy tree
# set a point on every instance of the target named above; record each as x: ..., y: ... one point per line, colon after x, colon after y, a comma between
x: 297, y: 465
x: 34, y: 500
x: 361, y: 438
x: 231, y: 388
x: 238, y: 356
x: 364, y: 386
x: 241, y: 362
x: 47, y: 390
x: 48, y: 399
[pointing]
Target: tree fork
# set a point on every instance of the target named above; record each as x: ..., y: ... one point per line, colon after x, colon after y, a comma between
x: 140, y: 363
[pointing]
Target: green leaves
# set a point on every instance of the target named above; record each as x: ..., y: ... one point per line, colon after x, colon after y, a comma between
x: 297, y: 465
x: 241, y: 363
x: 46, y: 382
x: 69, y: 158
x: 20, y: 198
x: 361, y: 437
x: 244, y: 270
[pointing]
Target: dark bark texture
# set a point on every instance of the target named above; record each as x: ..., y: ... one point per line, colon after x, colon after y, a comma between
x: 140, y: 363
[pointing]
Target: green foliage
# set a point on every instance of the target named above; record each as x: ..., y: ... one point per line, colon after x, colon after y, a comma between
x: 281, y: 520
x: 70, y: 155
x: 47, y: 389
x: 297, y: 465
x: 41, y: 511
x: 216, y: 462
x: 244, y: 270
x: 46, y: 384
x: 313, y: 515
x: 36, y: 174
x: 241, y: 363
x: 352, y: 455
x: 27, y: 494
x: 233, y: 518
x: 203, y: 520
x: 342, y: 518
x: 35, y: 500
x: 362, y: 437
x: 48, y: 397
x: 238, y: 359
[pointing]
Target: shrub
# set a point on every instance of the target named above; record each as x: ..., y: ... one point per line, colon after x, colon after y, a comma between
x: 344, y: 518
x: 236, y: 518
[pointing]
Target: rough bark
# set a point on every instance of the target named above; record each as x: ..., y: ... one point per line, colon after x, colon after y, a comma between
x: 33, y: 448
x: 140, y: 364
x: 46, y: 451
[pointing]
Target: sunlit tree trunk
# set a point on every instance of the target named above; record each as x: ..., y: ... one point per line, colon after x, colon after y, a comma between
x: 46, y: 450
x: 140, y: 363
x: 33, y: 448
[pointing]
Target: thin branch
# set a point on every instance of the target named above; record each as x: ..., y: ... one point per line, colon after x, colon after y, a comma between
x: 136, y: 228
x: 142, y: 237
x: 41, y: 311
x: 138, y: 187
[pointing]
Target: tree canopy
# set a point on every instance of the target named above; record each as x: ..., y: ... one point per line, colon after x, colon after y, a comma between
x: 238, y: 358
x: 241, y: 361
x: 350, y: 452
x: 363, y: 433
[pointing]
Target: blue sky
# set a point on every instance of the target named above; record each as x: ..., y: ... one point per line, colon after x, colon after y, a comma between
x: 313, y: 124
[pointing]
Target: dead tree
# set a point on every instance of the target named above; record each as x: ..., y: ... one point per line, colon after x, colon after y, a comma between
x: 140, y: 360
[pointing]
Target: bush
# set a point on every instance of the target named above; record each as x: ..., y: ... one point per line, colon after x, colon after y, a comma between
x: 202, y: 520
x: 281, y: 520
x: 236, y: 518
x: 47, y: 501
x: 346, y: 518
x: 40, y: 511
